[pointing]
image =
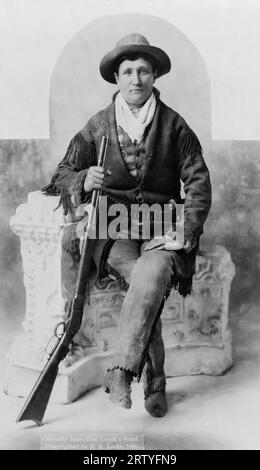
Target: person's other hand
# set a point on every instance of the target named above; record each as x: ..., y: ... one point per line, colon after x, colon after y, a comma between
x: 163, y: 243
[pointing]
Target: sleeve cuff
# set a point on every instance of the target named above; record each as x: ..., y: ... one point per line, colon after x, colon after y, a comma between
x: 190, y: 241
x: 79, y: 195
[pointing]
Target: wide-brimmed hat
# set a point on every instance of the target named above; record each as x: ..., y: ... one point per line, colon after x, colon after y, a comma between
x: 131, y: 44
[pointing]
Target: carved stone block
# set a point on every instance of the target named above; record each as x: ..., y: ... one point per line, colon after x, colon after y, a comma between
x: 195, y: 329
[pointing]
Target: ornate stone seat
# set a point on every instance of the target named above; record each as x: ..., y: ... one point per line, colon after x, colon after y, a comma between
x: 195, y: 329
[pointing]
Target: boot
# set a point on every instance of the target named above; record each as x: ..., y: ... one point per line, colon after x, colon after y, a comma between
x: 155, y: 401
x: 117, y: 384
x: 154, y: 380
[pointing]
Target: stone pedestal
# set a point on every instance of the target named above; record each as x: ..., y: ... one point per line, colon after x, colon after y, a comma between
x: 195, y: 329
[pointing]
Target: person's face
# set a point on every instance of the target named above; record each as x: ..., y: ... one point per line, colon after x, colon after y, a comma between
x: 135, y: 80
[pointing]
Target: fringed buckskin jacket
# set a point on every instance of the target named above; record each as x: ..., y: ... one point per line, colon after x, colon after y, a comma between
x: 172, y: 153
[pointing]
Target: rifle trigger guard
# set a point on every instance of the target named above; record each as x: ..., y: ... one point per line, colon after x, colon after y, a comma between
x: 59, y: 332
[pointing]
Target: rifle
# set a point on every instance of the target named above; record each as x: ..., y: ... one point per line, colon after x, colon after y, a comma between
x: 64, y: 332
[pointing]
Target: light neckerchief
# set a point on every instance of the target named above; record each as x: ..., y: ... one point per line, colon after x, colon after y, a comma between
x: 134, y: 125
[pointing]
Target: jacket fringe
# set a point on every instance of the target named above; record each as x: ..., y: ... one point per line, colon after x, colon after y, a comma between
x: 189, y: 144
x: 78, y: 151
x: 51, y: 188
x: 65, y: 199
x: 79, y: 194
x: 182, y: 286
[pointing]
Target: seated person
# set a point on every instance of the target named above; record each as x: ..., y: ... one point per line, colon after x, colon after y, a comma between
x: 151, y: 150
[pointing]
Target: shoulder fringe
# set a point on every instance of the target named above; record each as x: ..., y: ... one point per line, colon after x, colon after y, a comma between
x: 189, y: 144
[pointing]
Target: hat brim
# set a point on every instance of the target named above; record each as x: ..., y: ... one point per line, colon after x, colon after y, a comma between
x: 163, y: 63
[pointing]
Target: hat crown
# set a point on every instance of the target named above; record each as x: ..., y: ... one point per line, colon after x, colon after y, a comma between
x: 133, y: 39
x: 133, y: 43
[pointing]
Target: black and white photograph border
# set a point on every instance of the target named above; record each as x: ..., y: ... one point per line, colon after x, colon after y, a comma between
x: 50, y: 87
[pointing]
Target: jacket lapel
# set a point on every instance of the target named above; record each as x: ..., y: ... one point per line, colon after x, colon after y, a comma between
x: 151, y: 137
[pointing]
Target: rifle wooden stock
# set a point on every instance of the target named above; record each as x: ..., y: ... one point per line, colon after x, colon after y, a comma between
x: 37, y: 401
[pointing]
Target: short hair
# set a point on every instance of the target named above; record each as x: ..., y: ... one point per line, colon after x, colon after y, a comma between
x: 135, y: 56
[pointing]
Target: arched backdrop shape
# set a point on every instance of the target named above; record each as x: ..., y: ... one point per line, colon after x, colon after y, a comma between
x: 77, y: 91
